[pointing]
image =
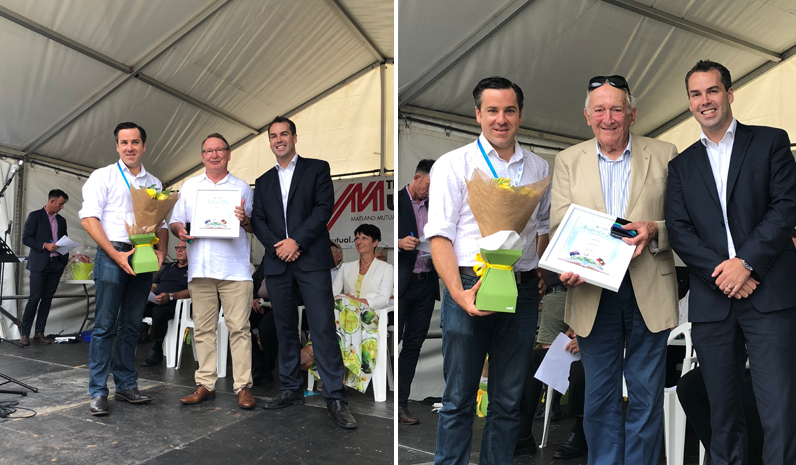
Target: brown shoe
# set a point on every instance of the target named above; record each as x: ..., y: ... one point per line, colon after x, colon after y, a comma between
x: 24, y: 340
x: 246, y: 399
x: 39, y: 337
x: 200, y: 394
x: 406, y: 418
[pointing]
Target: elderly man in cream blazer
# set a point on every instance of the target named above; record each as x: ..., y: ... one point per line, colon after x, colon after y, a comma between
x: 621, y: 332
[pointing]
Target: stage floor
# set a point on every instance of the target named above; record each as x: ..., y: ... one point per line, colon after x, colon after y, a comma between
x: 165, y: 431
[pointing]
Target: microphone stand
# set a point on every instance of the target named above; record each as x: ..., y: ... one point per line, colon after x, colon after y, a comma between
x: 7, y: 256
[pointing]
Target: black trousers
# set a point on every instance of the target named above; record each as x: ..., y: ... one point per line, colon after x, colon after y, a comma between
x: 160, y: 314
x: 43, y: 285
x: 264, y: 360
x: 532, y: 391
x: 722, y: 348
x: 316, y: 290
x: 415, y: 307
x: 694, y: 398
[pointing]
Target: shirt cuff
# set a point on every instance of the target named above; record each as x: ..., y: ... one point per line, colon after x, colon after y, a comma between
x: 440, y: 228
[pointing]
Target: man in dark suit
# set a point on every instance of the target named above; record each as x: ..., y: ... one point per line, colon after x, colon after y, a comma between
x: 293, y: 202
x: 418, y: 284
x: 731, y: 208
x: 42, y: 230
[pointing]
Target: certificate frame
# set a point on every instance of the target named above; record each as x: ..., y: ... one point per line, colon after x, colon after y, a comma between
x: 214, y: 214
x: 583, y: 245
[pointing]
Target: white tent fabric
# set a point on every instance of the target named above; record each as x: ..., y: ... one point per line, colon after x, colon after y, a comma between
x: 184, y: 69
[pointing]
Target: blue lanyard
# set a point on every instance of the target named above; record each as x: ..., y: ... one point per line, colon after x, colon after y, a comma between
x: 123, y: 176
x: 517, y: 179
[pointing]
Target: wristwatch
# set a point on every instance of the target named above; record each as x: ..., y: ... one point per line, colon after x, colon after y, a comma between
x: 171, y: 297
x: 745, y: 265
x: 245, y: 221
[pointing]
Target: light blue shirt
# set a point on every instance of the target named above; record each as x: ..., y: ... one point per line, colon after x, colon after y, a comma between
x: 615, y: 180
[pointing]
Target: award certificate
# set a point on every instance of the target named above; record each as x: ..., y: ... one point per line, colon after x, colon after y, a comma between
x: 214, y: 213
x: 583, y: 245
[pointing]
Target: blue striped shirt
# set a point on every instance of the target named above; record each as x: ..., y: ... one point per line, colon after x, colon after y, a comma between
x: 615, y: 179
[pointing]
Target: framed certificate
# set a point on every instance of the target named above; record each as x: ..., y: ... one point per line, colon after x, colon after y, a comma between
x: 214, y: 213
x: 583, y: 245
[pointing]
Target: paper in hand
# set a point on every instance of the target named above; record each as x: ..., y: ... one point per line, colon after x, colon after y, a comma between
x: 65, y: 245
x: 554, y: 370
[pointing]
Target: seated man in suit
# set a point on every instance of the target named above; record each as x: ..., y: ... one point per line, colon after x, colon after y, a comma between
x: 170, y: 286
x: 42, y: 230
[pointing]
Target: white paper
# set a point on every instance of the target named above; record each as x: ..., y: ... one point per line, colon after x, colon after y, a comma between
x: 152, y: 297
x: 65, y: 245
x: 554, y: 370
x: 424, y: 247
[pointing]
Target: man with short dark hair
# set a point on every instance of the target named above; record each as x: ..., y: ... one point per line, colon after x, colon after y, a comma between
x: 468, y: 333
x: 292, y: 206
x: 121, y: 294
x: 42, y: 230
x: 418, y: 283
x: 730, y: 211
x: 218, y: 270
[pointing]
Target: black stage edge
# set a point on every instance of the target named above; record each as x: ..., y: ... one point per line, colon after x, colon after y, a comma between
x: 165, y: 431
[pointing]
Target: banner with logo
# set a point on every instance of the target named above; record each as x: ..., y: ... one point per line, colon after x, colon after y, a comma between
x: 363, y: 200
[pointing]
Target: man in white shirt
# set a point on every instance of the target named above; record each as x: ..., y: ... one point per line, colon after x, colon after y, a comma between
x: 468, y: 333
x: 218, y: 268
x: 120, y: 292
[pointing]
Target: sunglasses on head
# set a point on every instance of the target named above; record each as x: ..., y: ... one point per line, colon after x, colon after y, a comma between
x: 616, y: 81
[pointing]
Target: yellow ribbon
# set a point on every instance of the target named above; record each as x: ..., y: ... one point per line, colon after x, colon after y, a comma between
x: 478, y: 403
x: 154, y: 241
x: 480, y: 269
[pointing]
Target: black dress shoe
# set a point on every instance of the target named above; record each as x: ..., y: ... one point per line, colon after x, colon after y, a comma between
x: 525, y: 446
x: 133, y: 396
x: 153, y: 359
x: 574, y: 447
x: 285, y: 399
x: 99, y: 405
x: 406, y: 418
x: 24, y: 340
x: 342, y: 417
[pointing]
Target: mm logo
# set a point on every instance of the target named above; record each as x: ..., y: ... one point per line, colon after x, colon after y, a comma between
x: 358, y: 199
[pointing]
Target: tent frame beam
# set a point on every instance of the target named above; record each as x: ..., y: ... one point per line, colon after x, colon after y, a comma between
x: 695, y: 28
x: 356, y: 29
x: 486, y: 30
x: 739, y: 83
x: 129, y: 72
x: 288, y: 114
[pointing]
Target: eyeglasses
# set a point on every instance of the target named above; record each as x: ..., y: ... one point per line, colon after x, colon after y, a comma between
x: 616, y: 81
x: 179, y: 248
x: 210, y: 151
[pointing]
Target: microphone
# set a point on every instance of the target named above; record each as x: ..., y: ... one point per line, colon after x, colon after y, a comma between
x: 9, y: 227
x: 12, y: 172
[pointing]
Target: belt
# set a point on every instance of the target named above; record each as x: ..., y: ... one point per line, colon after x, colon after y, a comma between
x: 521, y: 277
x: 422, y: 275
x: 55, y: 258
x: 556, y: 289
x: 122, y: 246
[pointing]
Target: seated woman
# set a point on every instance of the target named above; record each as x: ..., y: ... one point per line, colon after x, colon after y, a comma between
x: 361, y: 287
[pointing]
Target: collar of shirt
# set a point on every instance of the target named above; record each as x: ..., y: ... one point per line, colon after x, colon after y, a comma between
x: 492, y: 153
x: 49, y: 215
x: 290, y: 165
x: 141, y: 174
x: 223, y: 180
x: 729, y: 136
x: 621, y: 157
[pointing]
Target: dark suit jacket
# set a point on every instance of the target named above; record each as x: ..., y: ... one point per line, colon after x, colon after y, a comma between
x: 310, y: 204
x: 407, y: 223
x: 761, y: 211
x: 36, y: 232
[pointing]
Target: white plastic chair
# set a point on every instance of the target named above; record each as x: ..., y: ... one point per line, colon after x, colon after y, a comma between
x: 222, y: 338
x: 673, y: 414
x: 170, y: 341
x: 382, y: 376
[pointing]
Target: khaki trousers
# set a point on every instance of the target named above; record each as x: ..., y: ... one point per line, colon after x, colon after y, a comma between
x: 236, y: 299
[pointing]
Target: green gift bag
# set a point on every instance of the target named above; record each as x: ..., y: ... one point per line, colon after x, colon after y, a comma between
x: 144, y: 258
x: 498, y: 292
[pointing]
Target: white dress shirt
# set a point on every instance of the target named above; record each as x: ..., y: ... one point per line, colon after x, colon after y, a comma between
x: 107, y: 198
x: 615, y: 179
x: 226, y: 259
x: 449, y: 214
x: 285, y: 178
x: 719, y: 156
